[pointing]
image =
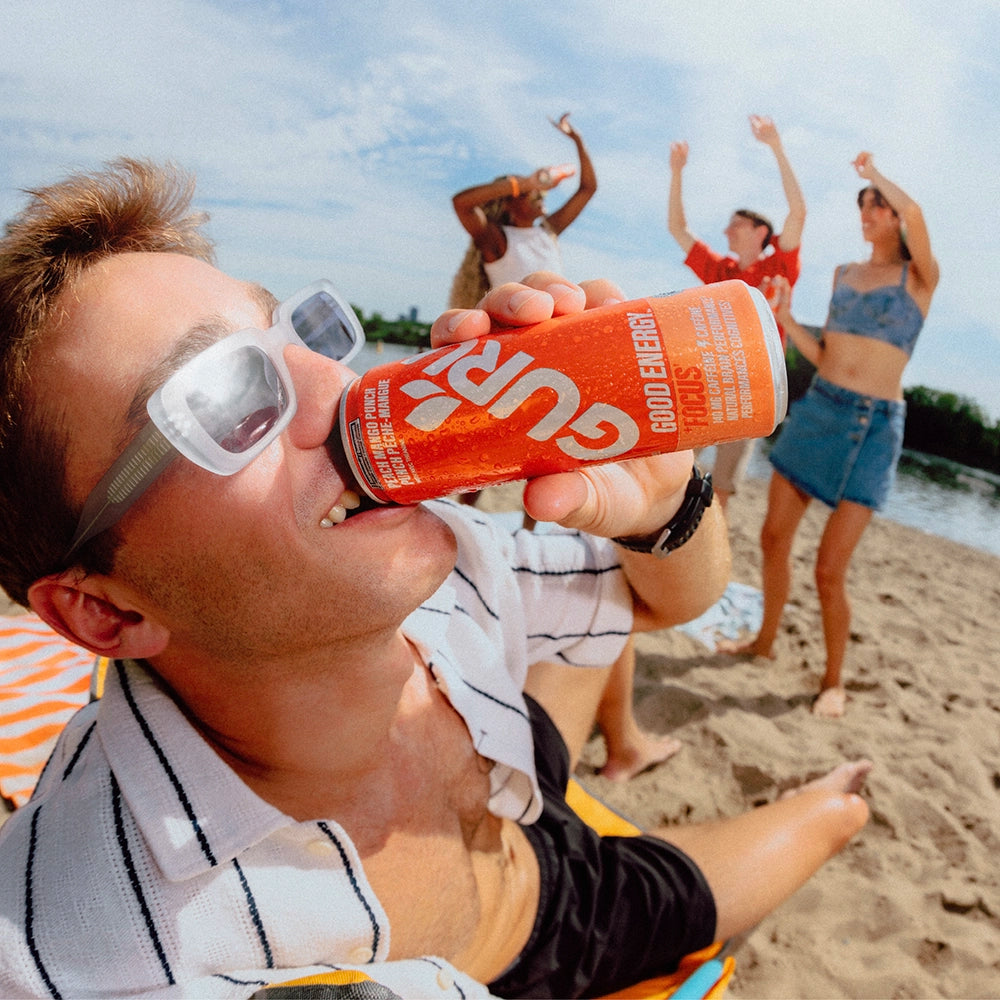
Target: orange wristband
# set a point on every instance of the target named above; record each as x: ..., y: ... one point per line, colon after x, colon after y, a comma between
x: 515, y: 187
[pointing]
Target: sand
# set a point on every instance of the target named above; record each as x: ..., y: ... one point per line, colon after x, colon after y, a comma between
x: 912, y: 907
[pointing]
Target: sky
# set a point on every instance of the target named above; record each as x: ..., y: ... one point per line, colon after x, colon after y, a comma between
x: 328, y: 138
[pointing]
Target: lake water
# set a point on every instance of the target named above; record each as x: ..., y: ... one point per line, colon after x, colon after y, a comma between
x: 937, y: 496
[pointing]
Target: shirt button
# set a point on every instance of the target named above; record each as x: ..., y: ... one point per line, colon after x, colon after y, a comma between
x: 361, y: 955
x: 320, y: 848
x: 445, y: 979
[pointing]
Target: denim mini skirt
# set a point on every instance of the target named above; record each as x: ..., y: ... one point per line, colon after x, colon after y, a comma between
x: 840, y: 445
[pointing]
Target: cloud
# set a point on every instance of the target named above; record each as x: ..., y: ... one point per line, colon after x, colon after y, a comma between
x: 330, y: 138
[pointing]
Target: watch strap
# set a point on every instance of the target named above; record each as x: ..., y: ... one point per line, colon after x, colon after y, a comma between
x: 681, y: 526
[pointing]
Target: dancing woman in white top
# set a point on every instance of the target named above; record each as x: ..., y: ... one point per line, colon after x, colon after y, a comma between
x: 511, y: 236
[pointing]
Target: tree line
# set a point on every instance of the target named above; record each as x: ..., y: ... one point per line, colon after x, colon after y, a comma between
x: 410, y: 332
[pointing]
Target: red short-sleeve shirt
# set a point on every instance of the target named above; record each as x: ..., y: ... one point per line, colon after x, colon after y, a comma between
x: 711, y: 266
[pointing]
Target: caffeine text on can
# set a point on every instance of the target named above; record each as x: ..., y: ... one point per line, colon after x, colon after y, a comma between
x: 637, y: 378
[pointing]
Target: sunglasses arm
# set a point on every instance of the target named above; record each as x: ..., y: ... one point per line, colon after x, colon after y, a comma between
x: 134, y: 472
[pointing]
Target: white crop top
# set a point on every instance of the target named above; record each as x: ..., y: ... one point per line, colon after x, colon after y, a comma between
x: 529, y: 248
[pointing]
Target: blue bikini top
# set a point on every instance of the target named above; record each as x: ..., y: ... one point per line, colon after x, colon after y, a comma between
x: 888, y: 313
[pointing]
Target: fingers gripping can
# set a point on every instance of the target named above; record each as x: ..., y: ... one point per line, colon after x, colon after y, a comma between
x: 638, y: 378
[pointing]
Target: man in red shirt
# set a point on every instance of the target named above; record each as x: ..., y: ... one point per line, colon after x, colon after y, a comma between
x: 755, y: 253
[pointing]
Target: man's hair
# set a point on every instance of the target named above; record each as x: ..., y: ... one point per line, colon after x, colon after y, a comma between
x: 66, y: 228
x: 758, y: 220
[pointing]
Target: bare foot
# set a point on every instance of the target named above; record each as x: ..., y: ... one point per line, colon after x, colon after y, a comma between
x: 831, y: 703
x: 847, y: 777
x: 753, y: 647
x: 652, y: 750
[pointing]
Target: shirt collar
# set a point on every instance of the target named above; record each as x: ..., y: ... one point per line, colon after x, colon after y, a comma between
x: 193, y: 810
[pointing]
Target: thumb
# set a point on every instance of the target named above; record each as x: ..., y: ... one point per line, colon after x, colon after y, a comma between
x: 558, y: 497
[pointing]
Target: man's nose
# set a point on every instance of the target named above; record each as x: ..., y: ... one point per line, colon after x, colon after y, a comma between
x: 319, y: 383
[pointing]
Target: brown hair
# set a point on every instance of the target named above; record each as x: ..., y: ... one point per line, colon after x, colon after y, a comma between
x: 758, y: 220
x: 470, y: 283
x: 130, y: 206
x: 882, y: 202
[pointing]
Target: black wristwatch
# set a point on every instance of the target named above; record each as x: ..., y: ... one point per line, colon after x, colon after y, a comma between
x: 681, y: 526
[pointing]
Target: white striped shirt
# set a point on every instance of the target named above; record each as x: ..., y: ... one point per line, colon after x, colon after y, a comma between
x: 144, y: 866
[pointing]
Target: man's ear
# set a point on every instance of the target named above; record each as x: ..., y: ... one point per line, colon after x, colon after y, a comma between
x: 85, y: 610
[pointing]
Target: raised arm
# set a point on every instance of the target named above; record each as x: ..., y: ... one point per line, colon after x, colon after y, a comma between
x: 924, y: 266
x: 676, y: 219
x: 632, y: 498
x: 765, y: 131
x: 667, y: 591
x: 563, y: 216
x: 468, y: 205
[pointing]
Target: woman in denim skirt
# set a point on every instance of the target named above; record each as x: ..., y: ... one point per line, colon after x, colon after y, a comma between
x: 842, y: 440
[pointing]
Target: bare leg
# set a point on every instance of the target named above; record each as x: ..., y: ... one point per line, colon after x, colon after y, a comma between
x: 755, y: 861
x: 785, y: 508
x: 843, y: 531
x: 575, y: 698
x: 729, y: 468
x: 848, y: 777
x: 570, y: 696
x: 630, y: 750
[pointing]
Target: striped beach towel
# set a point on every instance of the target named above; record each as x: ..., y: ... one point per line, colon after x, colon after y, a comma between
x: 44, y: 679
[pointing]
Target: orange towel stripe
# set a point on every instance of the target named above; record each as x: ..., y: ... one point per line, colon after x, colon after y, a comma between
x: 11, y: 744
x: 39, y: 672
x: 44, y: 680
x: 73, y: 683
x: 63, y: 709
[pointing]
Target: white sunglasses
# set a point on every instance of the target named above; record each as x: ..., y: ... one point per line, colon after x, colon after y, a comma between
x: 226, y: 405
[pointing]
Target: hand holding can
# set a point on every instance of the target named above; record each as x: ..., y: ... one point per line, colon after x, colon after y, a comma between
x: 637, y: 378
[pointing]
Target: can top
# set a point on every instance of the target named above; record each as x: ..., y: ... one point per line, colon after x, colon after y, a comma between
x: 775, y: 353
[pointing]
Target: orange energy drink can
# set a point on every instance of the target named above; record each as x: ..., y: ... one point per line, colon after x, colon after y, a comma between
x: 637, y: 378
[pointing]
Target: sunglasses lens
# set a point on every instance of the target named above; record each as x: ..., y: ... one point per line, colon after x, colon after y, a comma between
x: 238, y: 404
x: 323, y: 327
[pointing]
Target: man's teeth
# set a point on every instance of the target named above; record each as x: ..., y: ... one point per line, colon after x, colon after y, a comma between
x: 349, y: 500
